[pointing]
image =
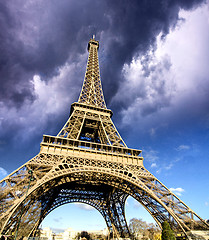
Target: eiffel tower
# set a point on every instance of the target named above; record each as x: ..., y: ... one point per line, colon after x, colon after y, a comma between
x: 88, y: 162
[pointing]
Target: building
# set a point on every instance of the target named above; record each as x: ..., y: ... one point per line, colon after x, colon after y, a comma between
x: 47, y: 234
x: 68, y: 234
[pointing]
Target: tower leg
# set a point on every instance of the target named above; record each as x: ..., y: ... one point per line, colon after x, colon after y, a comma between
x: 116, y: 213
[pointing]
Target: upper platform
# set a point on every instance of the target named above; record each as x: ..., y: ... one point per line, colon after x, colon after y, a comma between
x: 93, y: 42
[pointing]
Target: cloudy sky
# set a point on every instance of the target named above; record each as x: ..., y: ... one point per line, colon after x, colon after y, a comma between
x: 154, y: 58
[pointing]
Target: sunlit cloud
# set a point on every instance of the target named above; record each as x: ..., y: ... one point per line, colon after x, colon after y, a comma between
x: 164, y: 168
x: 58, y: 219
x: 52, y: 100
x: 178, y: 191
x: 151, y: 155
x: 3, y: 172
x: 182, y: 147
x: 169, y: 166
x: 84, y: 206
x: 153, y: 165
x: 165, y: 86
x: 152, y: 132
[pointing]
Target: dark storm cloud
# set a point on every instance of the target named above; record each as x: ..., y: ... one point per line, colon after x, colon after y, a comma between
x: 10, y: 68
x: 135, y: 25
x: 37, y: 37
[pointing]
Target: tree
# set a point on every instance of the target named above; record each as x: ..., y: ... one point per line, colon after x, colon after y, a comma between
x: 142, y: 230
x: 153, y: 231
x: 157, y: 236
x: 84, y: 235
x: 167, y: 233
x: 137, y: 227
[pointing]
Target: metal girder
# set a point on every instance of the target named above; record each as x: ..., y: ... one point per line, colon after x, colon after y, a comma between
x: 108, y: 201
x: 91, y: 92
x: 88, y: 162
x: 90, y: 120
x: 123, y: 180
x: 93, y: 125
x: 116, y: 211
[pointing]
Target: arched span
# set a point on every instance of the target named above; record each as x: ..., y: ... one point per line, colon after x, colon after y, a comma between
x: 132, y: 180
x: 71, y: 192
x: 94, y: 176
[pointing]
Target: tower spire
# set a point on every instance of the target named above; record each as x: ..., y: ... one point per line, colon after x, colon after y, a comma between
x: 91, y: 92
x: 90, y: 120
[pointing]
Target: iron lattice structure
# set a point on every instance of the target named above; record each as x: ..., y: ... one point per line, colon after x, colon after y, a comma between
x: 88, y: 162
